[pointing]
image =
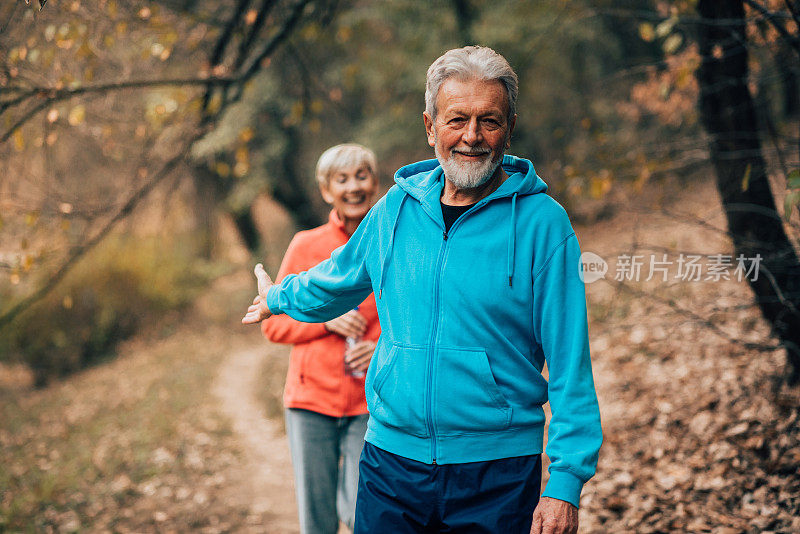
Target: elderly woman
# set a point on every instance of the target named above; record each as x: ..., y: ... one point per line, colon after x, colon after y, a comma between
x: 326, y: 411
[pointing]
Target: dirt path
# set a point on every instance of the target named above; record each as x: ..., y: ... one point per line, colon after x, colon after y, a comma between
x: 267, y: 460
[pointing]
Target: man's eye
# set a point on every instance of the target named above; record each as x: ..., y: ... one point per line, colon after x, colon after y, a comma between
x: 456, y: 120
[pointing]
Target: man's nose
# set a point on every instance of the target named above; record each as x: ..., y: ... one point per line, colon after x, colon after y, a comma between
x: 472, y: 134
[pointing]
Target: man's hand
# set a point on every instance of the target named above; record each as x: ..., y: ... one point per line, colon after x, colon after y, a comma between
x: 351, y: 324
x: 359, y: 355
x: 553, y: 516
x: 258, y: 311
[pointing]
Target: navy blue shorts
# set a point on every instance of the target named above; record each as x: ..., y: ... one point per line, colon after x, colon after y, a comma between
x: 397, y: 495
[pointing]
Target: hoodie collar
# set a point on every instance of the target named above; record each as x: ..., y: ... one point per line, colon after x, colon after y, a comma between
x: 424, y: 181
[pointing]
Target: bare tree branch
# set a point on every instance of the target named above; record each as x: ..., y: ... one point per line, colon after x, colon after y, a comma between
x: 52, y: 95
x: 713, y: 327
x: 276, y: 40
x: 78, y: 252
x: 10, y: 16
x: 773, y: 19
x: 218, y: 54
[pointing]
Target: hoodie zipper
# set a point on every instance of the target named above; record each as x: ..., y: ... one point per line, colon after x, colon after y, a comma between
x: 432, y: 347
x: 435, y: 333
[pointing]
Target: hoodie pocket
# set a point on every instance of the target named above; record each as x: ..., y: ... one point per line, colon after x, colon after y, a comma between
x: 400, y: 391
x: 468, y: 399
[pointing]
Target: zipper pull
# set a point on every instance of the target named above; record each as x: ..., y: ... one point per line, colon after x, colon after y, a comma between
x: 444, y: 235
x: 434, y: 461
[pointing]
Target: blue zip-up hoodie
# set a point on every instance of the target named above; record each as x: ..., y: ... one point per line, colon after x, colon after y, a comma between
x: 469, y: 318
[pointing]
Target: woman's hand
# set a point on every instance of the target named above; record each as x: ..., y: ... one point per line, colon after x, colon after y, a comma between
x: 359, y: 355
x: 351, y: 324
x: 258, y: 311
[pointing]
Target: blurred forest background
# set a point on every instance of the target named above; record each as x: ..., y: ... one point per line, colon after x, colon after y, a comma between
x: 152, y: 151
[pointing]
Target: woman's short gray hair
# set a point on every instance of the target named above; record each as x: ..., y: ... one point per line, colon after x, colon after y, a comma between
x: 471, y: 62
x: 345, y: 156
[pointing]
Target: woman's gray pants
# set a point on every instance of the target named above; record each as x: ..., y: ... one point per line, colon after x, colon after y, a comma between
x: 325, y: 454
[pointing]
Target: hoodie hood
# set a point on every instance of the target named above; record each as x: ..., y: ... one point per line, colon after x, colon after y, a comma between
x: 424, y: 181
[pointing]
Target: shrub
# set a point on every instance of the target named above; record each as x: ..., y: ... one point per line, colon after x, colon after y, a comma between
x: 125, y: 284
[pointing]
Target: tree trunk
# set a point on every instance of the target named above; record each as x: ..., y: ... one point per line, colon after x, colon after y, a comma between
x: 728, y: 114
x: 290, y: 191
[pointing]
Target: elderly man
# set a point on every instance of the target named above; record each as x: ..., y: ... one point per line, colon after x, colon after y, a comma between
x: 477, y: 275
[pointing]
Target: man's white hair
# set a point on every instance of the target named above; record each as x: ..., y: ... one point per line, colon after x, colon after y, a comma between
x: 471, y: 62
x: 342, y: 157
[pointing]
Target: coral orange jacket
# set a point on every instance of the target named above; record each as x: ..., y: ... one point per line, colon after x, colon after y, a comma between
x: 317, y: 380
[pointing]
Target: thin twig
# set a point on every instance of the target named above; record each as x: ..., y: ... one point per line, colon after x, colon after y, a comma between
x: 52, y: 95
x: 773, y: 19
x: 78, y: 252
x: 695, y: 317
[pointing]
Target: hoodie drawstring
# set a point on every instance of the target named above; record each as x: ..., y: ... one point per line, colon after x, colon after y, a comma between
x: 512, y: 233
x: 385, y: 265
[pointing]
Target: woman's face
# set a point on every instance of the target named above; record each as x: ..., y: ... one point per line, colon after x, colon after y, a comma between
x: 351, y: 192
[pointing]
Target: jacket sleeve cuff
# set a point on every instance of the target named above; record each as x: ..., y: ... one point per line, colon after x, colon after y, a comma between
x: 273, y: 299
x: 564, y: 486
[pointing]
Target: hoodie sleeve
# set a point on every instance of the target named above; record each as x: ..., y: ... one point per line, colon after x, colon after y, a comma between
x: 331, y: 288
x: 575, y: 434
x: 282, y: 328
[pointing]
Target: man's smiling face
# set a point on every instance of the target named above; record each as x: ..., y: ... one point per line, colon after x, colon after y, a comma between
x: 471, y: 130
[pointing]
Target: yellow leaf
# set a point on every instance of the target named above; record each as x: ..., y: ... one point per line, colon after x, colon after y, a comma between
x: 240, y: 169
x: 246, y: 134
x: 77, y: 115
x: 647, y: 32
x: 19, y: 141
x: 67, y: 302
x: 672, y: 43
x: 297, y: 111
x: 215, y: 103
x: 746, y: 178
x: 223, y: 169
x: 344, y: 34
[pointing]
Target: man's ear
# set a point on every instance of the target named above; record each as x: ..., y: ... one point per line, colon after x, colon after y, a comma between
x: 326, y: 194
x: 511, y: 124
x: 429, y: 128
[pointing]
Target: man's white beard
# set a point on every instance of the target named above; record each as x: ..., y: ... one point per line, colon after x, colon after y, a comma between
x: 467, y: 174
